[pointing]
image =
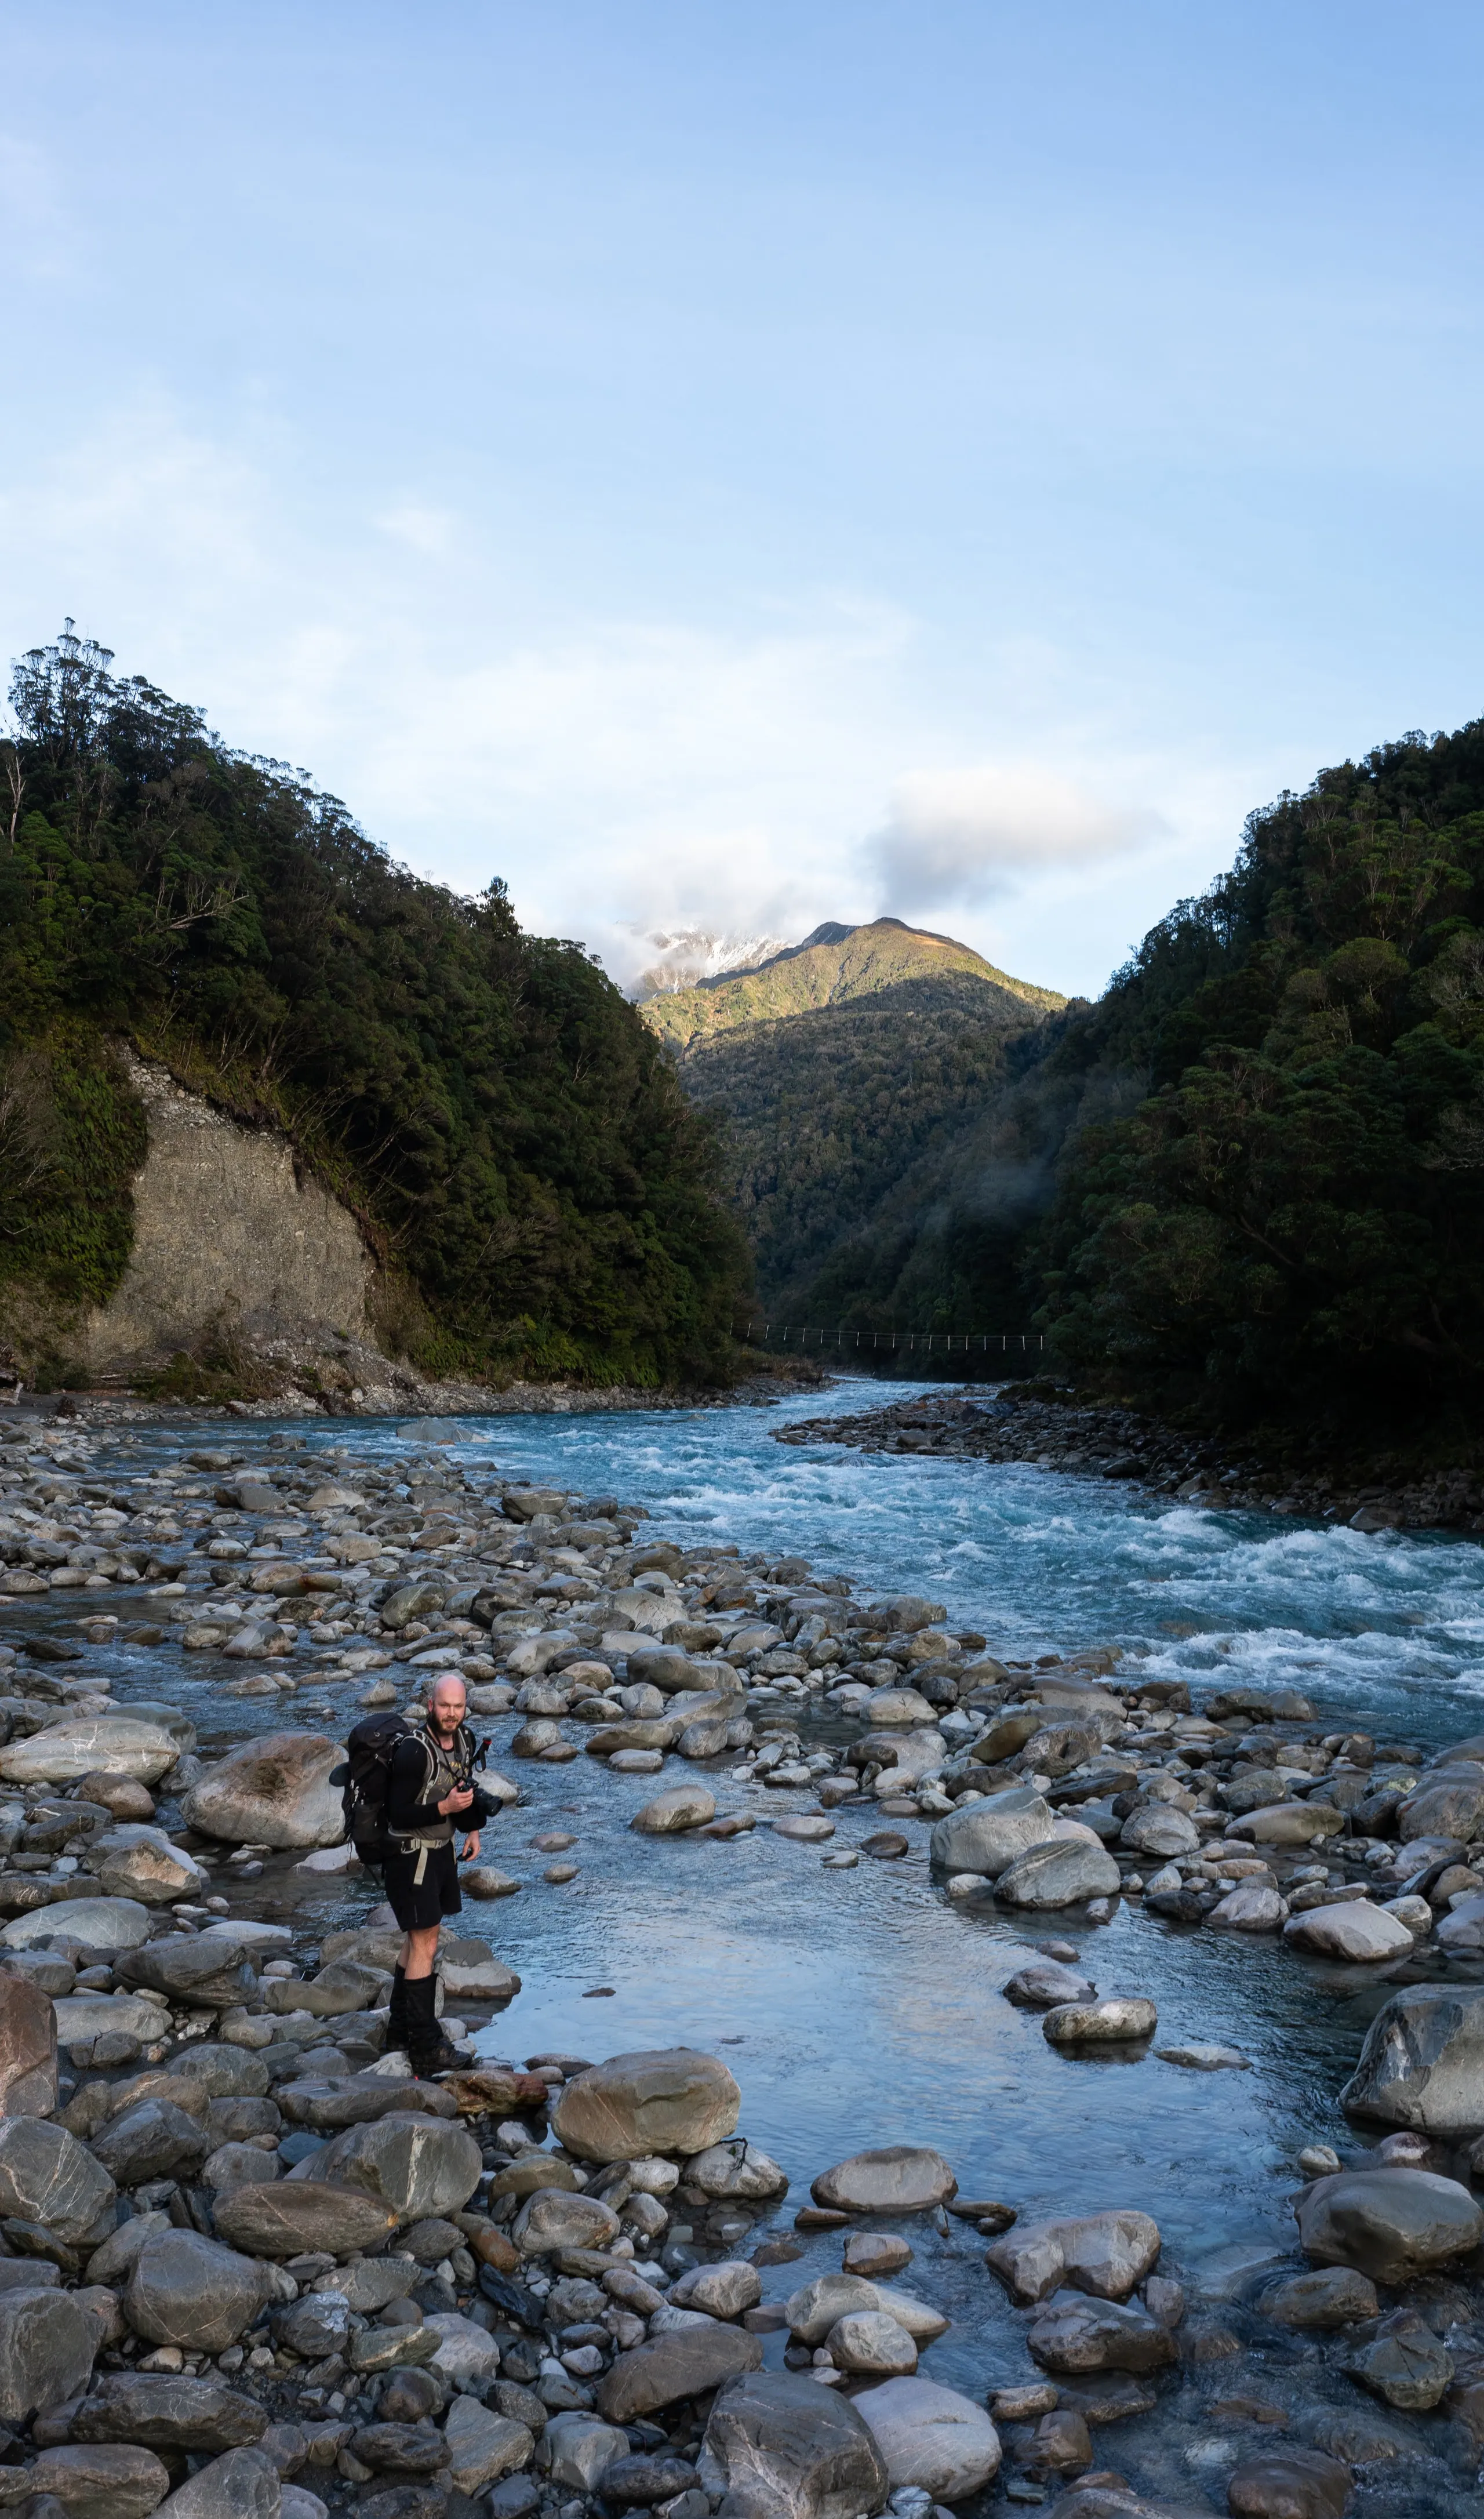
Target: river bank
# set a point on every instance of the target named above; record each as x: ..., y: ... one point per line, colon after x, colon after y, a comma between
x: 807, y: 1728
x: 1058, y: 1432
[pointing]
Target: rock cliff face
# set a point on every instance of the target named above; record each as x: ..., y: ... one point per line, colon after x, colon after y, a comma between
x: 232, y: 1242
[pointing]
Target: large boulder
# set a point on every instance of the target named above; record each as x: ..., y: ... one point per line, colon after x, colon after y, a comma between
x: 1328, y: 2296
x: 484, y: 2445
x: 46, y: 2175
x: 1065, y: 1872
x: 1105, y: 2254
x: 903, y: 2177
x: 1392, y: 2224
x: 667, y: 2100
x: 103, y: 1924
x: 1110, y: 2022
x: 275, y: 1790
x: 136, y: 1861
x: 1155, y: 1828
x: 161, y: 2411
x: 154, y: 2138
x: 813, y: 2309
x: 686, y: 2363
x: 413, y: 2164
x: 101, y: 2483
x: 297, y: 2217
x: 576, y: 2449
x: 116, y: 1745
x: 986, y: 1836
x: 1073, y: 2335
x: 1289, y: 1823
x: 1288, y: 2483
x: 552, y: 2219
x: 781, y: 2447
x: 1422, y: 2062
x: 930, y: 2438
x: 244, y: 2484
x: 207, y: 1970
x: 1349, y: 1929
x: 189, y: 2290
x: 28, y: 2050
x: 47, y: 2345
x: 1448, y: 1802
x: 671, y: 1813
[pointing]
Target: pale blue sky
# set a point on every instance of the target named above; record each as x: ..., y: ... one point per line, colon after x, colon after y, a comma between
x: 752, y: 466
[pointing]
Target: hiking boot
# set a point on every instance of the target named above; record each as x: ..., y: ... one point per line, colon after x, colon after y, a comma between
x: 428, y: 2051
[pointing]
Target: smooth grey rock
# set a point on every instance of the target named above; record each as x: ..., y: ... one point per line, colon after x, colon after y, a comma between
x: 46, y: 2347
x: 1252, y: 1906
x: 1349, y: 1929
x: 296, y: 2216
x: 466, y: 2354
x: 901, y: 2177
x: 161, y: 2411
x: 1045, y: 1983
x: 1105, y: 2254
x: 721, y: 2290
x: 28, y: 2050
x: 189, y: 2290
x: 671, y: 1813
x: 344, y: 1986
x: 986, y: 1836
x: 1288, y: 2483
x: 153, y: 2139
x: 484, y: 2445
x: 1329, y: 2296
x: 1155, y: 1828
x: 1422, y: 2062
x: 815, y: 2307
x: 207, y: 1971
x: 552, y: 2218
x: 737, y: 2171
x: 1115, y: 2019
x: 781, y: 2447
x: 416, y: 2165
x: 668, y: 2100
x: 576, y: 2449
x: 1392, y: 2223
x: 314, y: 2326
x: 274, y: 1790
x: 931, y: 2437
x: 137, y: 1861
x: 1448, y: 1802
x: 243, y: 2485
x: 1065, y: 1872
x: 1075, y: 2334
x: 672, y: 2367
x: 869, y: 2342
x: 1405, y: 2363
x: 101, y: 2481
x: 85, y: 1744
x: 82, y: 2018
x: 103, y: 1924
x: 46, y: 2175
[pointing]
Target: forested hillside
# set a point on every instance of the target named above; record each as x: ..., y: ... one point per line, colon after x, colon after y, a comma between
x: 539, y: 1189
x: 1251, y: 1178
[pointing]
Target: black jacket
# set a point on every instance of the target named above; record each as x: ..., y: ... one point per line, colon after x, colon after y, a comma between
x: 407, y: 1813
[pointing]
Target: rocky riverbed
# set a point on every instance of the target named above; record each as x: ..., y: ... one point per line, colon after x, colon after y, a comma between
x: 250, y: 2266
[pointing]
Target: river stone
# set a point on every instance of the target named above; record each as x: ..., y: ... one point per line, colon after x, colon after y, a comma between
x: 223, y: 2072
x: 1155, y: 1828
x: 1252, y: 1789
x: 723, y: 2290
x: 205, y: 1969
x: 1252, y: 1906
x: 161, y: 2411
x: 274, y: 1790
x: 903, y: 2177
x: 1107, y: 2254
x: 484, y: 2445
x: 667, y: 2368
x: 297, y: 2217
x: 552, y: 2219
x: 83, y: 2017
x: 1289, y: 1823
x: 813, y: 2310
x: 1045, y: 1983
x: 106, y: 2482
x: 1329, y: 2296
x: 986, y: 1836
x: 28, y: 2050
x: 153, y: 2139
x: 667, y: 2100
x: 416, y: 2165
x: 1422, y: 2062
x: 103, y: 1924
x: 737, y: 2172
x: 1461, y: 1928
x: 46, y: 2175
x: 1289, y: 2483
x: 1115, y: 2017
x: 314, y: 2326
x: 1448, y: 1802
x: 136, y: 1861
x: 116, y: 1744
x: 1405, y: 2363
x: 1392, y: 2223
x: 902, y: 1705
x: 671, y: 1813
x: 1348, y: 1930
x: 781, y: 2447
x: 465, y: 2354
x: 1074, y: 2334
x: 869, y: 2341
x: 576, y: 2449
x: 639, y: 2482
x: 189, y: 2290
x: 243, y: 2485
x: 1065, y: 1872
x: 931, y: 2437
x: 47, y: 2345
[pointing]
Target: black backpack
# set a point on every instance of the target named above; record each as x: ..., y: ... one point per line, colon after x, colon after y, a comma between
x: 363, y: 1780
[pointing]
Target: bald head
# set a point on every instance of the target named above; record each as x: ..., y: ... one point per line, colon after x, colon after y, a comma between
x: 448, y: 1700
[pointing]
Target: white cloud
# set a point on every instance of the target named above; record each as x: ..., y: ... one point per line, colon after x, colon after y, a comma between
x: 962, y: 836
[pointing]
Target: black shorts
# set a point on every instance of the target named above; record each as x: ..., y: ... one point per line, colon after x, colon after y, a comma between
x: 417, y: 1905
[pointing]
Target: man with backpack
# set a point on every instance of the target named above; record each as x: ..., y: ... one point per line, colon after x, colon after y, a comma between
x: 429, y: 1794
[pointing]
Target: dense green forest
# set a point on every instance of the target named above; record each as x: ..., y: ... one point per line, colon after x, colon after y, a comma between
x: 540, y: 1191
x: 1250, y: 1180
